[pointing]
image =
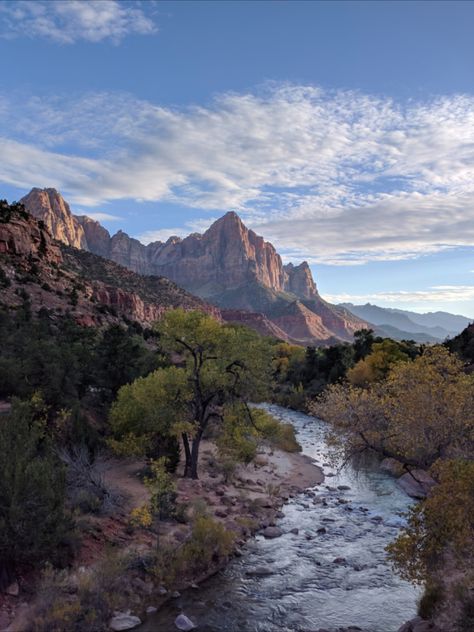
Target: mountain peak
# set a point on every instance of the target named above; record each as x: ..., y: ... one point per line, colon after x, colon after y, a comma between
x: 49, y: 206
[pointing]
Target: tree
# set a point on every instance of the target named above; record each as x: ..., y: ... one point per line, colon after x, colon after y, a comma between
x: 218, y: 365
x: 423, y: 411
x: 121, y: 358
x: 442, y: 522
x: 376, y: 365
x: 33, y: 522
x: 150, y: 413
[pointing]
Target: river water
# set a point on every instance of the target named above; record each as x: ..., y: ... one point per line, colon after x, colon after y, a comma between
x: 307, y: 590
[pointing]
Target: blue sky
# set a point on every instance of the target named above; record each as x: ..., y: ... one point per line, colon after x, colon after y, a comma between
x: 342, y: 131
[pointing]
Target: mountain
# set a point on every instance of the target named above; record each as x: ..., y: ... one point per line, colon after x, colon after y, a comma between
x: 387, y: 331
x: 399, y: 324
x: 452, y: 323
x: 228, y: 265
x: 62, y: 279
x: 50, y: 207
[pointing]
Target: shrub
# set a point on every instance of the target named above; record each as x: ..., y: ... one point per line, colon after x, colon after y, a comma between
x: 83, y: 602
x: 210, y: 542
x: 430, y: 600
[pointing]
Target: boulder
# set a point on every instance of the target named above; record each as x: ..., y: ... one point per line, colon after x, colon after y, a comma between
x: 416, y: 484
x: 272, y: 532
x: 392, y: 466
x: 123, y: 621
x: 419, y: 625
x: 182, y: 622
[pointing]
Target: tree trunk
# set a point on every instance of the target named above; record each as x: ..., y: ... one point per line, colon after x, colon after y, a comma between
x: 187, y: 454
x: 195, y: 456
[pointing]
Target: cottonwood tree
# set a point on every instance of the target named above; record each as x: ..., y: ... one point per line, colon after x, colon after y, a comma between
x: 218, y: 365
x: 422, y: 412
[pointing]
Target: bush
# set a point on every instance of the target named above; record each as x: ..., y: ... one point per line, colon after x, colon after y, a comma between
x: 82, y: 602
x: 430, y: 600
x: 210, y: 542
x: 87, y: 490
x: 280, y: 435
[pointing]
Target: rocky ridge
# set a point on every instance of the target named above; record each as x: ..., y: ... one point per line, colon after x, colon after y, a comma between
x: 228, y: 265
x: 94, y: 291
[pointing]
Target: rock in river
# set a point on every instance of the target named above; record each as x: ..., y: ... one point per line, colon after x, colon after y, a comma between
x: 272, y: 532
x: 182, y: 622
x: 123, y: 621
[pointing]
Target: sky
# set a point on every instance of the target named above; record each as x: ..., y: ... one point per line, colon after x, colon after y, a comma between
x: 343, y: 132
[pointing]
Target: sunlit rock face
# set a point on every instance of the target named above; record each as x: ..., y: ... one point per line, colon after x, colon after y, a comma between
x: 228, y: 265
x: 49, y: 206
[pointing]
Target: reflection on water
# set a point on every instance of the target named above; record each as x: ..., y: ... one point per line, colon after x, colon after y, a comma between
x: 305, y: 589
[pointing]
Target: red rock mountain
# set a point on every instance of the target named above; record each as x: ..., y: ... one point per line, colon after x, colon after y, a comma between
x: 62, y: 279
x: 228, y: 265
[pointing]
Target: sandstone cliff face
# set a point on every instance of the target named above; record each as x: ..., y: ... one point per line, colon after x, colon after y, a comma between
x: 226, y: 256
x: 228, y: 265
x: 93, y: 290
x: 49, y: 206
x: 299, y: 281
x: 97, y: 237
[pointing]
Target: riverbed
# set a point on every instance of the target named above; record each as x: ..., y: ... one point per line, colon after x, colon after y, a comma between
x: 332, y: 573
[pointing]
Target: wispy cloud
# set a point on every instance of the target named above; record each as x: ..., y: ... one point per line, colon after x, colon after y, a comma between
x: 101, y: 217
x: 334, y: 176
x: 70, y: 21
x: 435, y: 294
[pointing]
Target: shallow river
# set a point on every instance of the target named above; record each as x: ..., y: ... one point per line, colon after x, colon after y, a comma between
x: 307, y: 590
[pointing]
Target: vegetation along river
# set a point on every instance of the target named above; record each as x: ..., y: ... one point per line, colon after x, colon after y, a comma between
x: 305, y: 589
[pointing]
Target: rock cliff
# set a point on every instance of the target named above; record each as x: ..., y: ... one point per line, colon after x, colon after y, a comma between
x: 63, y: 279
x: 228, y: 265
x: 49, y: 206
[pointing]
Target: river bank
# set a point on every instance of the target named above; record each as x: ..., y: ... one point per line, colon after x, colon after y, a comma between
x: 327, y: 571
x: 250, y: 501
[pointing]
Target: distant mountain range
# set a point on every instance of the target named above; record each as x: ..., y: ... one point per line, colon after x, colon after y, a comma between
x: 228, y: 266
x: 403, y: 324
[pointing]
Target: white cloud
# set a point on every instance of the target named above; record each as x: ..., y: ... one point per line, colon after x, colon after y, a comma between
x: 69, y: 21
x: 336, y: 177
x: 101, y: 217
x: 435, y: 294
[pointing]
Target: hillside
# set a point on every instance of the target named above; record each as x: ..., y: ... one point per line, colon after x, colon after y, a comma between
x: 37, y: 269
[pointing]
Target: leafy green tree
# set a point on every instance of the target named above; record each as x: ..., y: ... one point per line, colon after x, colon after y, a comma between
x: 33, y: 521
x: 218, y: 365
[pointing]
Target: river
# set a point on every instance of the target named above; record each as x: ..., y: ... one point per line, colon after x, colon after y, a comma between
x: 306, y: 589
